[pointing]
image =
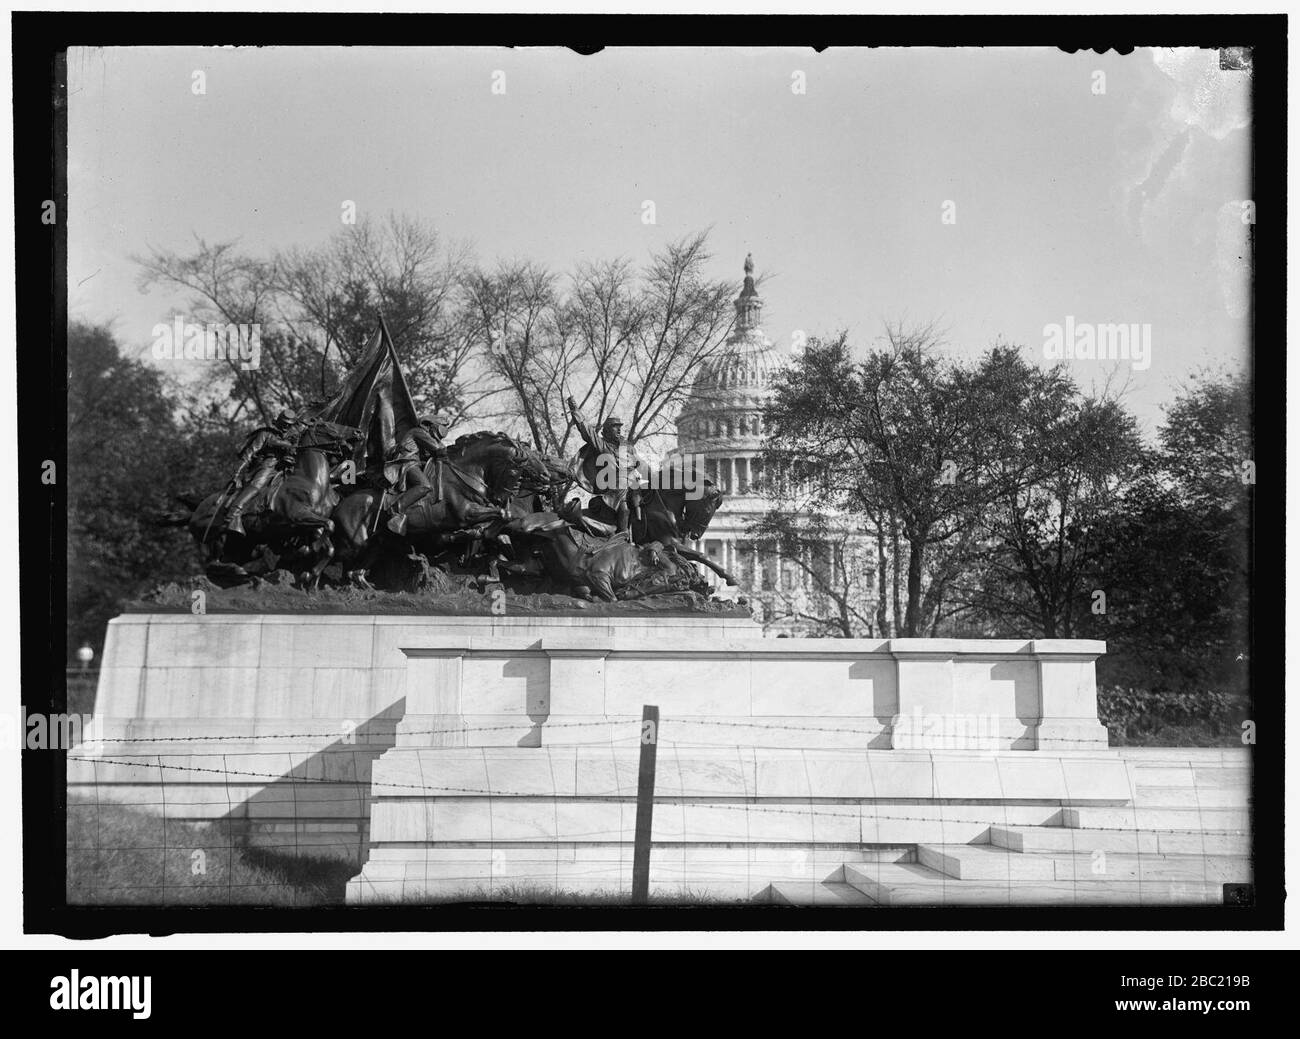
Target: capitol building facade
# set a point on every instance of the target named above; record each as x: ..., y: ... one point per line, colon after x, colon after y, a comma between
x: 722, y: 423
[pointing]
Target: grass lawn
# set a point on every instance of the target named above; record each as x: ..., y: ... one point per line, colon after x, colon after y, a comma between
x: 1174, y: 735
x: 123, y: 856
x: 528, y: 895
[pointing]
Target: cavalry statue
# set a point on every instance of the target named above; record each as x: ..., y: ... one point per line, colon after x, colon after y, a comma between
x: 609, y: 465
x: 288, y: 525
x: 358, y: 490
x: 486, y: 475
x: 404, y: 469
x: 269, y: 449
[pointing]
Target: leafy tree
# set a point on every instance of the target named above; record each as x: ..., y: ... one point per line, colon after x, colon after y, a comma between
x: 1040, y: 567
x: 126, y: 461
x: 923, y: 444
x: 1177, y: 553
x: 1208, y: 438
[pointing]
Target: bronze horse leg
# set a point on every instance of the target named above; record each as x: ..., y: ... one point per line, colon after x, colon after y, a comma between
x: 699, y: 557
x: 353, y: 545
x: 324, y: 550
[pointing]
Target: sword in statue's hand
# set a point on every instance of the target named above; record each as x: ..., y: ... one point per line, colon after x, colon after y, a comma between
x: 231, y: 486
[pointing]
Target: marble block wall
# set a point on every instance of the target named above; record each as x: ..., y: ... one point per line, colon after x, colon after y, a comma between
x: 454, y: 749
x: 515, y: 763
x: 586, y: 686
x: 272, y: 722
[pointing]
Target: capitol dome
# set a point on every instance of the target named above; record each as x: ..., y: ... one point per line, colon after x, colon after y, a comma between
x: 721, y: 426
x: 730, y: 390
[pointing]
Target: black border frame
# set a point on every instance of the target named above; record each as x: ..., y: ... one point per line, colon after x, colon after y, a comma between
x: 39, y: 43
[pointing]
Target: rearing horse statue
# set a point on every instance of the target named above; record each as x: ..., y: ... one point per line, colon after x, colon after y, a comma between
x: 669, y: 515
x: 483, y: 479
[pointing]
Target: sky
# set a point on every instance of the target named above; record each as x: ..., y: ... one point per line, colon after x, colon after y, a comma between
x: 992, y: 191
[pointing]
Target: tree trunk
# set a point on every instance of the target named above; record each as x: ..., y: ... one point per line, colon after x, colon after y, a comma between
x: 1047, y: 617
x: 898, y: 571
x: 938, y: 614
x: 882, y: 584
x: 915, y: 568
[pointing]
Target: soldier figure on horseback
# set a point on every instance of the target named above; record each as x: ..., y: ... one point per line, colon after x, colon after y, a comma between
x: 610, y: 466
x: 268, y: 449
x: 404, y: 468
x: 320, y: 479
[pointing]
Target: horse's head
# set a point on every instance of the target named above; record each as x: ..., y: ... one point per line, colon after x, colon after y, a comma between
x: 334, y: 439
x: 537, y: 471
x: 471, y: 447
x: 549, y: 477
x: 561, y: 471
x: 698, y: 510
x: 511, y: 471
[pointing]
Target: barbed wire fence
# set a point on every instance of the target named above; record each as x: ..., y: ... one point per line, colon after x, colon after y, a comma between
x: 176, y: 832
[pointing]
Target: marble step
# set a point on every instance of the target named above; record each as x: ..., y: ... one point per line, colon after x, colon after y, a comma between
x: 811, y: 893
x: 983, y: 862
x: 1147, y: 797
x: 1120, y: 866
x: 1061, y: 838
x: 1190, y: 820
x: 895, y: 884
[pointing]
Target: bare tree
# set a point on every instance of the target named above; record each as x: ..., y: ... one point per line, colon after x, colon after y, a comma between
x: 316, y: 308
x: 617, y: 340
x: 228, y: 287
x: 829, y: 558
x: 511, y: 316
x: 397, y: 266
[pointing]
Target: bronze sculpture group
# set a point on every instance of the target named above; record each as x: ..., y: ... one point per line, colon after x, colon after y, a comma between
x: 360, y: 491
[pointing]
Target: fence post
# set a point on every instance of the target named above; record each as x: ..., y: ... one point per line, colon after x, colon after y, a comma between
x: 645, y: 802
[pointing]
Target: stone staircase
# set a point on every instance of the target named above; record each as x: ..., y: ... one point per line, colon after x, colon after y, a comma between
x: 1184, y: 835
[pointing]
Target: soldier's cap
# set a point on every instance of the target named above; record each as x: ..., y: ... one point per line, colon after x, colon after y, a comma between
x: 441, y: 421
